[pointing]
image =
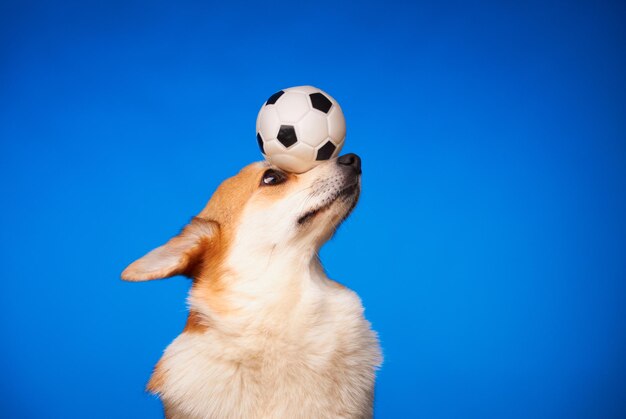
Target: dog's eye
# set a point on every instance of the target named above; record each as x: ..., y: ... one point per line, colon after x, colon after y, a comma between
x: 273, y: 177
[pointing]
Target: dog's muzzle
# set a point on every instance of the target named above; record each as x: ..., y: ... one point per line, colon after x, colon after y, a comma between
x: 347, y: 189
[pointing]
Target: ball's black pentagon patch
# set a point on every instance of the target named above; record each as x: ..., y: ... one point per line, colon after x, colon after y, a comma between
x: 320, y: 102
x: 287, y: 135
x: 326, y: 151
x: 259, y: 141
x: 274, y: 98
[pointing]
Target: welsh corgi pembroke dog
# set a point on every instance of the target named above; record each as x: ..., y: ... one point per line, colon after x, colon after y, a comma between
x: 268, y: 334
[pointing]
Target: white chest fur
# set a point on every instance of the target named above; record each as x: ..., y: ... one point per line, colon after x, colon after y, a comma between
x: 316, y: 359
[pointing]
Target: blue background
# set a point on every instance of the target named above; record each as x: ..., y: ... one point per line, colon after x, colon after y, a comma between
x: 489, y: 247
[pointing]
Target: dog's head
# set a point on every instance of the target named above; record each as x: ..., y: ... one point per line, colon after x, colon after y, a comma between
x: 262, y: 209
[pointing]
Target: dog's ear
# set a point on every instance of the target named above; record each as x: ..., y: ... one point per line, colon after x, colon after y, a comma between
x: 179, y: 256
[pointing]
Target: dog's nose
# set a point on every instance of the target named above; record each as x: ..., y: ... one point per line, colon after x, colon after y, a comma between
x: 350, y: 160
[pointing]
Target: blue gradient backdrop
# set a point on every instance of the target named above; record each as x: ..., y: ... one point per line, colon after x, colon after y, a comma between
x: 489, y: 246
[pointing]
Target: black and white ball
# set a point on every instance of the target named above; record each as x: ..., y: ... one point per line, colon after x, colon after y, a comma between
x: 300, y: 127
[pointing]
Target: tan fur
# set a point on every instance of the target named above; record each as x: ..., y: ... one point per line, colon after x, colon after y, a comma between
x: 195, y: 323
x: 157, y: 379
x: 268, y: 335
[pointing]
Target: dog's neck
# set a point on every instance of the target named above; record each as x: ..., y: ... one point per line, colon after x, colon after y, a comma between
x: 285, y: 261
x: 260, y: 284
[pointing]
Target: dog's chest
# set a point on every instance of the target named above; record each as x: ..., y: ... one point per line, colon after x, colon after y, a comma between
x: 308, y: 366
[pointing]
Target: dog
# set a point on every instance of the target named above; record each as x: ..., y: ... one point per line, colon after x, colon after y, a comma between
x: 268, y: 335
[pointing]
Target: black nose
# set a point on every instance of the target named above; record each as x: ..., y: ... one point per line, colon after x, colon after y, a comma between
x: 351, y: 160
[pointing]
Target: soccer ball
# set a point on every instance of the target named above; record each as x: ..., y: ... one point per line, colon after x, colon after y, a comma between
x: 300, y: 127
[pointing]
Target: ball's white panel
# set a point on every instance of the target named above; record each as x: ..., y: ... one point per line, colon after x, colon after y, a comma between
x: 304, y: 89
x: 268, y: 123
x: 303, y: 151
x: 338, y: 150
x: 273, y: 147
x: 312, y: 129
x: 339, y: 147
x: 291, y: 163
x: 292, y: 106
x: 336, y: 124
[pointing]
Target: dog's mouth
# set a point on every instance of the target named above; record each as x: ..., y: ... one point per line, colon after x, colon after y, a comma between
x: 347, y: 192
